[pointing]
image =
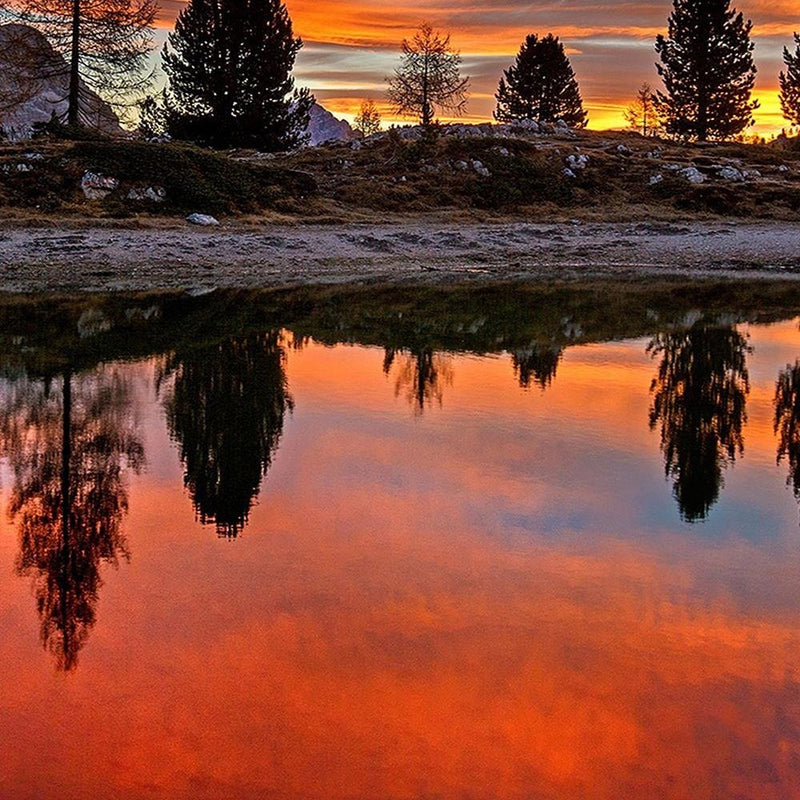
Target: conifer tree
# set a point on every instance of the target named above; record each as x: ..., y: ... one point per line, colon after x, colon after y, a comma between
x: 540, y: 85
x: 790, y: 83
x: 230, y: 68
x: 708, y: 71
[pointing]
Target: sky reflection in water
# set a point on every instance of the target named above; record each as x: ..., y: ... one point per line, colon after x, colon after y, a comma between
x: 362, y: 571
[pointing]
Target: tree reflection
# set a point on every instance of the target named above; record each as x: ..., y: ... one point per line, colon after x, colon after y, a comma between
x: 226, y: 410
x: 69, y: 441
x: 537, y: 363
x: 421, y: 375
x: 699, y: 399
x: 787, y: 422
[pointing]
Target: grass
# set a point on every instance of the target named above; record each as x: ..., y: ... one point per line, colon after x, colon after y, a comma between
x: 193, y: 179
x: 393, y: 177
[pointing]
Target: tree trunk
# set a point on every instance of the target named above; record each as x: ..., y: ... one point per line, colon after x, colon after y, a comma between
x: 73, y: 108
x: 66, y: 507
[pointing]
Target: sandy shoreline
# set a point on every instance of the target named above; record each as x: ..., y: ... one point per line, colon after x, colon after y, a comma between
x: 416, y: 252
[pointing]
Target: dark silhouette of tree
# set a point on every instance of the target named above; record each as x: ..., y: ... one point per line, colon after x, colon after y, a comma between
x: 226, y: 411
x: 230, y: 68
x: 699, y: 400
x: 69, y: 442
x: 787, y: 422
x: 708, y: 71
x: 428, y: 77
x: 368, y: 120
x: 538, y: 363
x: 540, y: 85
x: 790, y: 83
x: 104, y: 44
x: 422, y: 375
x: 642, y: 114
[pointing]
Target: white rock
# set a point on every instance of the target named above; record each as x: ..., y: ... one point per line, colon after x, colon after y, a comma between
x: 656, y: 179
x: 692, y: 174
x: 24, y: 168
x: 34, y: 84
x: 96, y: 186
x: 783, y: 168
x: 731, y: 174
x: 577, y: 162
x: 569, y: 173
x: 156, y: 194
x: 202, y: 219
x: 623, y: 150
x: 93, y: 322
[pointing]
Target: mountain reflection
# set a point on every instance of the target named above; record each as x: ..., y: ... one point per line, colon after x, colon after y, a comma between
x: 69, y: 441
x: 420, y: 375
x: 537, y: 364
x: 787, y: 422
x: 226, y: 411
x: 699, y: 400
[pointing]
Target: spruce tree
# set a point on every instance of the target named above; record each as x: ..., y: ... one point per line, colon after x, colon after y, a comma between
x: 708, y: 71
x: 540, y: 85
x: 790, y: 83
x: 230, y: 68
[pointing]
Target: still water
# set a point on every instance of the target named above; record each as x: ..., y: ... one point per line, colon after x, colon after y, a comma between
x: 500, y: 545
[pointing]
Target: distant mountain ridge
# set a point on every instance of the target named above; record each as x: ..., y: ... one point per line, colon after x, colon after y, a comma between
x: 34, y: 84
x: 324, y: 127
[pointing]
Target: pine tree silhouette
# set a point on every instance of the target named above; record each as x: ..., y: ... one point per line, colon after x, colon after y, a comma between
x: 708, y: 71
x: 540, y: 85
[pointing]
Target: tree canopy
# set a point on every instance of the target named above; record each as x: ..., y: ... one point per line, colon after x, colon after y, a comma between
x: 540, y: 85
x: 790, y: 83
x: 230, y: 68
x: 428, y: 77
x: 708, y: 71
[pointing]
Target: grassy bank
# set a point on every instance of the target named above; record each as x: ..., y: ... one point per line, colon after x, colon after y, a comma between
x: 622, y: 176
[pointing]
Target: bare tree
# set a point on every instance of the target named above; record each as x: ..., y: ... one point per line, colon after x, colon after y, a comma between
x: 428, y: 77
x: 642, y: 114
x: 105, y: 44
x: 368, y: 119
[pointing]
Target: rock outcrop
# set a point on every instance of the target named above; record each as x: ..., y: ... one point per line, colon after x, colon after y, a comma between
x: 34, y: 84
x: 324, y: 127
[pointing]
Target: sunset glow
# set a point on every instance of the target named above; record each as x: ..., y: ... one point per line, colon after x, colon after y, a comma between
x: 351, y: 46
x: 400, y: 619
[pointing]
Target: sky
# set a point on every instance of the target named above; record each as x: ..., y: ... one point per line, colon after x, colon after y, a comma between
x: 350, y: 46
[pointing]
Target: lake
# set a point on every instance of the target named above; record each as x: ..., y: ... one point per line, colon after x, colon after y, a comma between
x: 375, y: 542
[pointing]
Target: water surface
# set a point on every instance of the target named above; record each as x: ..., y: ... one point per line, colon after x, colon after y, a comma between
x: 492, y: 544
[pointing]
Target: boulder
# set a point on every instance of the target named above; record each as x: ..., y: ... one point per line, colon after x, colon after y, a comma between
x: 34, y: 84
x: 578, y: 162
x: 205, y: 220
x: 731, y: 174
x: 153, y: 194
x: 96, y: 186
x: 692, y: 174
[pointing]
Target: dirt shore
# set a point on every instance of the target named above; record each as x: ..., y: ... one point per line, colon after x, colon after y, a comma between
x: 419, y: 252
